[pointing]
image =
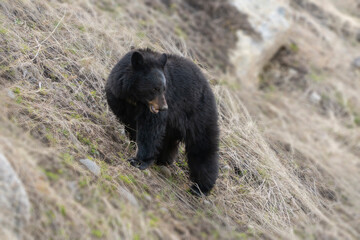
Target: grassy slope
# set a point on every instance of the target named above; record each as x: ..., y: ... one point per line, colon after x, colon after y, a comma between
x: 294, y: 176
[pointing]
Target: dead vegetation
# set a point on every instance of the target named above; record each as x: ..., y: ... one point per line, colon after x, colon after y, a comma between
x: 292, y: 173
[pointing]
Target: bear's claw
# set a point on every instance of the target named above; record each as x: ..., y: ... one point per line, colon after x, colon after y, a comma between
x: 139, y: 164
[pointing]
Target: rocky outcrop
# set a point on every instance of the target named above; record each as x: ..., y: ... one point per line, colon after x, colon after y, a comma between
x: 271, y: 20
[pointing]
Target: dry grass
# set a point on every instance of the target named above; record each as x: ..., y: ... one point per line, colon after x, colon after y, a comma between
x: 295, y: 176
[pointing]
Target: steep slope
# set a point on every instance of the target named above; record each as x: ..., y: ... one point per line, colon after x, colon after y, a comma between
x: 289, y: 165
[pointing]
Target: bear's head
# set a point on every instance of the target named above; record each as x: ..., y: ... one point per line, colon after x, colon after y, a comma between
x: 149, y: 82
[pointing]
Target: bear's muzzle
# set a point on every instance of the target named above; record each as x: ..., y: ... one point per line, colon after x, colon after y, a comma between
x: 158, y: 104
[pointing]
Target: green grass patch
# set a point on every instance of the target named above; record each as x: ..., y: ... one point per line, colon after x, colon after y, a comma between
x: 62, y: 210
x: 180, y: 33
x: 16, y: 90
x: 294, y: 47
x: 357, y: 120
x: 97, y: 233
x: 67, y: 158
x: 53, y: 176
x: 83, y: 182
x: 3, y: 31
x: 128, y: 179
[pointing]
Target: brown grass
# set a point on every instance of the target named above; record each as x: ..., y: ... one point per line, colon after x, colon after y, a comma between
x: 289, y: 168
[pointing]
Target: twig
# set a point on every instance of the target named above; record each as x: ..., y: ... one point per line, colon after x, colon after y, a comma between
x: 53, y: 31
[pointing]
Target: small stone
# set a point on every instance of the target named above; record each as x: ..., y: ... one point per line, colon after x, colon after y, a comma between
x: 122, y: 132
x: 225, y: 168
x: 92, y: 166
x: 128, y: 196
x: 207, y: 202
x: 148, y: 197
x: 164, y: 210
x: 356, y: 63
x: 315, y: 97
x: 165, y: 171
x: 72, y: 186
x: 11, y: 94
x: 147, y: 172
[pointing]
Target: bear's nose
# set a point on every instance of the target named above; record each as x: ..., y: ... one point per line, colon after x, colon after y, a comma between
x: 164, y: 107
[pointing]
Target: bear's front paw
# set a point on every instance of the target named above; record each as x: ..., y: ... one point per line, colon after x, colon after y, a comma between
x: 139, y: 164
x: 195, y: 190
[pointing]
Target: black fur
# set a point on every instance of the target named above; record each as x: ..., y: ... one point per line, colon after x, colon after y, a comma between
x: 191, y: 116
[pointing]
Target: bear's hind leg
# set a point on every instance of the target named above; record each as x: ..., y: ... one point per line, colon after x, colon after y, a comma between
x: 204, y: 169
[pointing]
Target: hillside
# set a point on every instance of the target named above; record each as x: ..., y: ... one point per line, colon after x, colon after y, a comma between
x: 290, y: 134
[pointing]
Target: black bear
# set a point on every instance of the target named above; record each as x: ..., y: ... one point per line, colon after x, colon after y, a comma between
x: 162, y: 100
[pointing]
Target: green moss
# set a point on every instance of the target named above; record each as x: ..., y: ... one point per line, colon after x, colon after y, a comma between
x: 51, y: 175
x: 107, y: 187
x: 67, y: 158
x: 141, y: 35
x: 357, y: 120
x: 43, y: 91
x: 75, y: 115
x: 128, y: 179
x: 18, y: 21
x: 241, y: 236
x: 72, y: 50
x: 50, y: 137
x: 262, y: 173
x: 107, y: 177
x: 62, y: 210
x: 81, y: 28
x: 136, y: 236
x: 50, y: 215
x: 294, y: 47
x: 83, y: 182
x: 65, y: 132
x: 16, y: 90
x: 83, y: 139
x: 143, y: 23
x: 93, y: 93
x: 24, y: 48
x: 153, y: 220
x: 180, y: 33
x: 80, y: 96
x: 3, y: 31
x: 316, y: 77
x: 97, y: 233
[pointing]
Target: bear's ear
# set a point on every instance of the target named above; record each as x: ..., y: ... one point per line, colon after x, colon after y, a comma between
x: 137, y: 60
x: 163, y: 59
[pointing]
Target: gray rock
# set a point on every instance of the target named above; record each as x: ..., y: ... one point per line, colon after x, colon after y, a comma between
x: 225, y: 168
x: 11, y: 94
x: 164, y: 210
x: 148, y: 197
x: 92, y: 166
x: 165, y: 171
x: 207, y: 202
x: 74, y: 189
x: 14, y: 202
x: 356, y: 63
x: 315, y: 97
x: 125, y: 193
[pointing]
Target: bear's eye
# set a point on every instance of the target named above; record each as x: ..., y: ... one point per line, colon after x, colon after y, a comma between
x: 156, y: 89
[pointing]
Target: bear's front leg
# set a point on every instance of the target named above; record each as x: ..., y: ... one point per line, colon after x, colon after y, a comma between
x: 150, y: 132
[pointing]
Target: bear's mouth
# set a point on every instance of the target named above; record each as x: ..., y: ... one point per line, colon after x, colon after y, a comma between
x: 158, y: 104
x: 153, y: 109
